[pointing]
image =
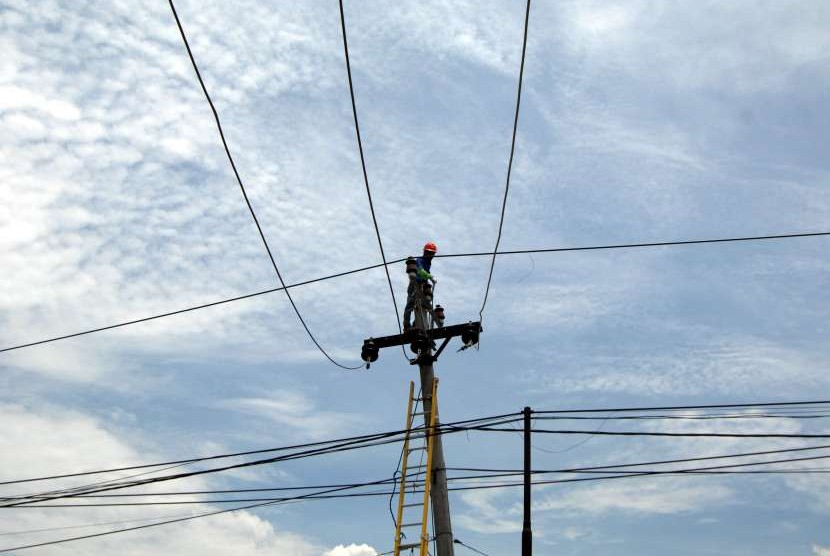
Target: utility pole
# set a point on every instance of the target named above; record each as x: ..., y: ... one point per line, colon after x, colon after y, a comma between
x: 527, y: 532
x: 439, y: 496
x: 421, y: 338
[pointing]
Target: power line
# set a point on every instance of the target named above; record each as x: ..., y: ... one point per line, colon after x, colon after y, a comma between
x: 146, y: 526
x: 383, y: 439
x: 399, y: 260
x: 467, y: 546
x: 509, y: 162
x: 363, y: 166
x: 245, y: 193
x: 605, y: 468
x: 685, y: 417
x: 666, y: 434
x: 603, y: 475
x: 330, y: 494
x: 386, y: 434
x: 681, y: 407
x: 367, y: 437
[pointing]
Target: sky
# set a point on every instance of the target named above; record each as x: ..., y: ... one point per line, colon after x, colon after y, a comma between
x: 641, y: 121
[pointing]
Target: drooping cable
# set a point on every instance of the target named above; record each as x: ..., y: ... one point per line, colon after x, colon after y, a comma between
x: 509, y: 163
x: 165, y: 522
x: 480, y: 482
x: 364, y: 437
x: 331, y: 493
x: 363, y: 166
x: 399, y: 260
x: 245, y: 194
x: 468, y: 547
x: 360, y: 443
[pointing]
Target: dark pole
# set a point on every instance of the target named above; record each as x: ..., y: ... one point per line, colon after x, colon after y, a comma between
x: 527, y: 533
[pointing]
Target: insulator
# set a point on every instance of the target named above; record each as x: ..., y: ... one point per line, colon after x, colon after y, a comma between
x: 427, y: 289
x: 470, y: 335
x: 438, y: 312
x: 369, y: 353
x: 411, y: 267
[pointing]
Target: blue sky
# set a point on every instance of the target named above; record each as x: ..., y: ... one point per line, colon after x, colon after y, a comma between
x: 641, y: 121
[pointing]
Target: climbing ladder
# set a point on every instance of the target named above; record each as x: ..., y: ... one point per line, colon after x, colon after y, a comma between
x: 412, y: 516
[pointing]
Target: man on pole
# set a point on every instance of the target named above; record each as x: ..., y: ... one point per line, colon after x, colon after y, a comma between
x: 422, y: 274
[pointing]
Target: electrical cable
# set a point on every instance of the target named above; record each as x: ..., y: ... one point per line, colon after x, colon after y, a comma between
x: 146, y: 526
x: 539, y: 415
x: 681, y: 407
x: 399, y: 260
x: 467, y: 546
x: 665, y: 434
x: 685, y: 417
x: 344, y: 446
x: 572, y: 446
x: 245, y: 194
x: 365, y: 174
x: 319, y: 495
x: 603, y: 474
x: 367, y: 437
x: 509, y: 162
x: 85, y: 526
x: 604, y: 468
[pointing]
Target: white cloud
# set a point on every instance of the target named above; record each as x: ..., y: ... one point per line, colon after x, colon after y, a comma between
x: 351, y: 550
x: 821, y: 550
x: 50, y: 440
x: 15, y: 98
x: 488, y: 513
x: 296, y: 411
x: 724, y: 365
x: 664, y: 497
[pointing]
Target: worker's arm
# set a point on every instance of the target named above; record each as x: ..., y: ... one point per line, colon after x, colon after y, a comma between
x: 424, y: 275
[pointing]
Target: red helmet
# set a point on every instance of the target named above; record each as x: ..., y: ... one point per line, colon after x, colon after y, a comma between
x: 430, y: 247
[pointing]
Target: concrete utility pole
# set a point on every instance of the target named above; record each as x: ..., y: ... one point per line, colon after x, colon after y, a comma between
x: 420, y: 338
x: 439, y: 496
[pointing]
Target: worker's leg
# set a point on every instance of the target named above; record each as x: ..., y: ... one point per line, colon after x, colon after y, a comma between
x: 410, y: 305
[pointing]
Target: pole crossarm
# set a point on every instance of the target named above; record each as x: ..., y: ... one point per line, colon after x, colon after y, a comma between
x: 414, y: 334
x: 422, y: 341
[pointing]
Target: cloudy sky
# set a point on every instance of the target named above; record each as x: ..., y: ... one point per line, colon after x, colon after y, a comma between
x: 641, y: 121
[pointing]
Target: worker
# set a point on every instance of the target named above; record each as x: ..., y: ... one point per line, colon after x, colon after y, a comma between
x: 422, y: 274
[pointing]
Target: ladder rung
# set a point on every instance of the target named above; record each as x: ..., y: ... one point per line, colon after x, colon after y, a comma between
x: 410, y: 545
x: 417, y: 448
x: 413, y: 505
x: 414, y: 523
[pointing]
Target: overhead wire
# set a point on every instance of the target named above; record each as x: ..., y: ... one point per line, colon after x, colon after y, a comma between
x: 664, y: 434
x: 323, y: 493
x: 245, y: 194
x: 382, y: 439
x: 772, y: 405
x: 147, y: 526
x: 455, y: 469
x: 509, y: 162
x: 396, y: 261
x: 603, y: 473
x: 363, y: 166
x: 538, y: 414
x: 468, y: 547
x: 371, y: 436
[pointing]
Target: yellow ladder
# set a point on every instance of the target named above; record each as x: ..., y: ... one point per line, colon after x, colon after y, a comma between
x: 406, y: 519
